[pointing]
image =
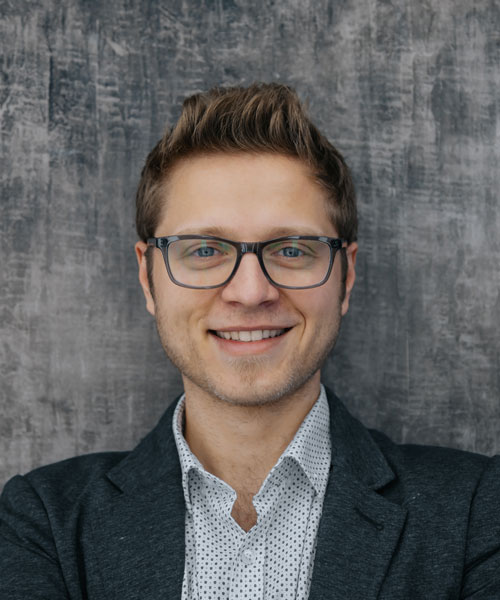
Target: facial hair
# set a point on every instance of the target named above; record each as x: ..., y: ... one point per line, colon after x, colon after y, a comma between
x: 299, y: 369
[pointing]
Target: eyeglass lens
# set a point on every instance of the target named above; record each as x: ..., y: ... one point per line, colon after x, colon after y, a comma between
x: 203, y: 263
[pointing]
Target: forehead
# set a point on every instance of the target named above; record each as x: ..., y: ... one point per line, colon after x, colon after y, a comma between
x: 243, y: 194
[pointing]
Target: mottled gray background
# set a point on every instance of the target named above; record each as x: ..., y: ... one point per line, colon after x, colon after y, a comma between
x: 409, y: 91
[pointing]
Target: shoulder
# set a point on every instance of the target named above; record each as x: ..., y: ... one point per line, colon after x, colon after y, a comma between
x: 421, y: 458
x: 69, y: 487
x: 452, y: 497
x: 436, y: 471
x: 33, y: 507
x: 67, y: 478
x: 76, y: 471
x: 57, y: 487
x: 403, y: 471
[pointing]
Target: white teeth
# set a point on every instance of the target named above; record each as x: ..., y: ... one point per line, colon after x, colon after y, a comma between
x: 250, y: 336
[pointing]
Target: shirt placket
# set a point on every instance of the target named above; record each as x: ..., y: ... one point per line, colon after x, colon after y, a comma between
x: 250, y: 567
x: 247, y: 579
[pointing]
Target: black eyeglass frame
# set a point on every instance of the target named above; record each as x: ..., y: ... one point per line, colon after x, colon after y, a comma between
x: 163, y: 243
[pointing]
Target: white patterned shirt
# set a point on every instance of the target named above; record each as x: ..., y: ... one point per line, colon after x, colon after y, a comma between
x: 275, y: 558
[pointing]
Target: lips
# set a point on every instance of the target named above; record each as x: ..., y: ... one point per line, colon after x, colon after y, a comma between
x: 249, y: 335
x: 254, y: 335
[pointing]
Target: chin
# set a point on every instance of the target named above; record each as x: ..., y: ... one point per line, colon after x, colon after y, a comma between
x: 248, y: 388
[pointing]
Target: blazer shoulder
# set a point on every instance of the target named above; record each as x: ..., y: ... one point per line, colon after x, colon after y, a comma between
x: 78, y: 481
x: 65, y: 481
x: 78, y: 468
x: 451, y: 496
x: 41, y: 508
x: 420, y: 453
x: 438, y: 470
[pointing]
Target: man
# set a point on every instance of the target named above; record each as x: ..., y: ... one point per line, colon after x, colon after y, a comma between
x: 256, y: 483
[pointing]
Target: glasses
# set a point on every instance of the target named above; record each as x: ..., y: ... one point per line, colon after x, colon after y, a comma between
x: 204, y: 262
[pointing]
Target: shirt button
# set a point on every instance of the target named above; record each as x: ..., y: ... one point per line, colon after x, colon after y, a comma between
x: 247, y: 557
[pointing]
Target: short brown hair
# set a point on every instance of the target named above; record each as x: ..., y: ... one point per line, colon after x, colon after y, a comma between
x: 264, y: 117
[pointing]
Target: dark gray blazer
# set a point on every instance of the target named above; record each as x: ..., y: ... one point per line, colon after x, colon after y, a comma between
x: 399, y: 522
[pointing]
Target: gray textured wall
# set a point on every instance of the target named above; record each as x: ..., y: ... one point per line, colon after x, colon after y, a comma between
x: 409, y: 91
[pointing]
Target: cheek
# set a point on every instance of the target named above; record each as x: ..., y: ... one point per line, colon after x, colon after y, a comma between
x: 327, y: 306
x: 170, y: 302
x: 319, y: 306
x: 181, y: 309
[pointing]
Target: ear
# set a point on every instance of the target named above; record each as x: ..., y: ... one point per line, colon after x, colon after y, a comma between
x: 351, y: 251
x: 140, y: 251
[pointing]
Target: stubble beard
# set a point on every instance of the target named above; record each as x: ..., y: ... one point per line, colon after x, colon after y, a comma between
x: 299, y: 370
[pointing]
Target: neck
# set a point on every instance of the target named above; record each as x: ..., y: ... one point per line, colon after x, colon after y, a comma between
x: 241, y: 444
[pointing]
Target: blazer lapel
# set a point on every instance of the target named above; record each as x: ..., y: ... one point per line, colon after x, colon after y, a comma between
x: 359, y: 528
x: 138, y: 524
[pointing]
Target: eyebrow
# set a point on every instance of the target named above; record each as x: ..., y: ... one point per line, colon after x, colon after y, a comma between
x: 274, y: 232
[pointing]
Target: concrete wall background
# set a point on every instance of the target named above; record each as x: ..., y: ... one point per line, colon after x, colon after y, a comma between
x: 410, y: 92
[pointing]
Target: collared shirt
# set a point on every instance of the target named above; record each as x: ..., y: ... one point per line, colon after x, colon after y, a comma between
x: 275, y: 559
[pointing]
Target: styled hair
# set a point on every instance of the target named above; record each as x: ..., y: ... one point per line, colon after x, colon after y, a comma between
x: 260, y: 118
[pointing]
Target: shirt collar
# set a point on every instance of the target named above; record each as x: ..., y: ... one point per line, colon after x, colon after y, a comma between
x: 310, y: 447
x: 187, y: 459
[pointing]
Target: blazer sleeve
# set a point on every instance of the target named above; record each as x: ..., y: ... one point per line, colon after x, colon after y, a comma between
x: 29, y: 564
x: 481, y: 580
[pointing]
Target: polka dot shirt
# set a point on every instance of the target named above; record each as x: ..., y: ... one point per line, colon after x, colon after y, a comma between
x: 275, y: 558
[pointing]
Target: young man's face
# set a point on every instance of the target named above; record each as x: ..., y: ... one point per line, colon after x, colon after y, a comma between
x: 247, y: 198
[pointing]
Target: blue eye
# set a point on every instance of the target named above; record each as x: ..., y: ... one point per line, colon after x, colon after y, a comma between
x: 205, y: 252
x: 290, y: 252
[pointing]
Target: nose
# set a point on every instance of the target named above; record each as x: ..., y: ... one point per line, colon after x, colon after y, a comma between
x: 249, y: 285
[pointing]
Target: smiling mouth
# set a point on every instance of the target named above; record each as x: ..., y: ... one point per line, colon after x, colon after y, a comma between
x: 249, y: 336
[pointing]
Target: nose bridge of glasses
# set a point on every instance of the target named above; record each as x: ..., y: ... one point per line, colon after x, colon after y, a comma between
x: 249, y: 247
